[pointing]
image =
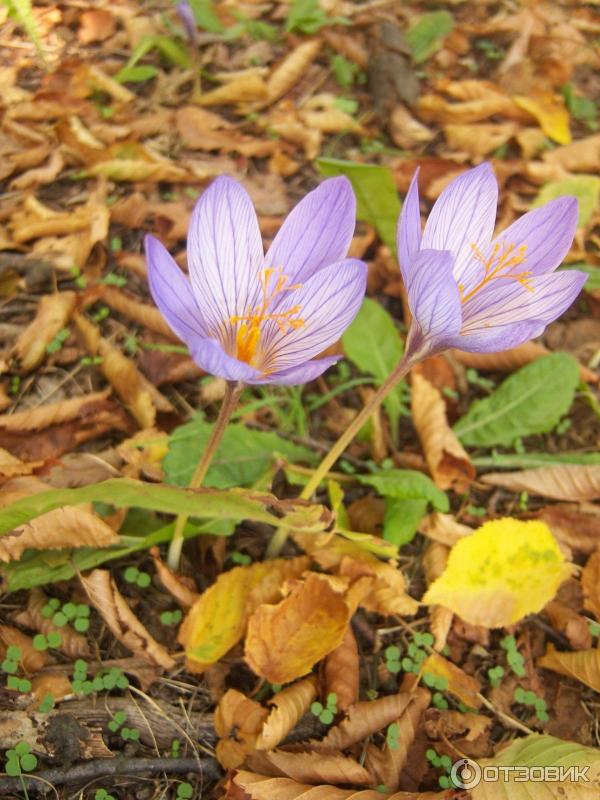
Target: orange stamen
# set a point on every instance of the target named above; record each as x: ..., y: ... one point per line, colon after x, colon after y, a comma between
x: 499, y: 264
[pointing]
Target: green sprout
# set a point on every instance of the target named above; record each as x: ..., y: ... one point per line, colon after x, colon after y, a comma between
x: 185, y: 791
x: 41, y: 642
x: 130, y: 734
x: 134, y: 576
x: 392, y: 659
x: 46, y: 704
x: 20, y: 759
x: 56, y: 344
x: 528, y: 698
x: 171, y: 617
x: 325, y: 713
x: 391, y: 736
x: 514, y: 658
x: 102, y: 794
x: 495, y: 675
x: 11, y: 660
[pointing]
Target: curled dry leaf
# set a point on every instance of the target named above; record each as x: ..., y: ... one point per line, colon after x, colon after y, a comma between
x: 177, y: 586
x: 341, y: 671
x: 217, y: 620
x: 56, y: 684
x: 386, y: 593
x: 31, y: 660
x: 584, y: 665
x: 35, y: 419
x: 96, y: 25
x: 571, y: 527
x: 72, y: 644
x: 435, y: 559
x: 580, y: 156
x: 388, y: 762
x: 238, y: 721
x: 433, y: 108
x: 12, y: 467
x: 450, y: 724
x: 362, y: 720
x: 53, y: 313
x: 148, y: 316
x: 243, y: 89
x: 406, y: 131
x: 312, y: 768
x: 571, y: 624
x: 126, y: 627
x: 443, y: 528
x: 463, y: 686
x: 289, y: 706
x: 285, y: 641
x: 590, y: 583
x: 447, y: 460
x: 120, y: 372
x: 61, y: 529
x: 563, y: 482
x: 479, y: 140
x: 291, y: 69
x: 40, y: 175
x: 513, y: 359
x: 261, y: 787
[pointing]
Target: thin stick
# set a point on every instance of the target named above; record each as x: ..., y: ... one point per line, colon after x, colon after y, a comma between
x: 232, y: 394
x: 280, y: 536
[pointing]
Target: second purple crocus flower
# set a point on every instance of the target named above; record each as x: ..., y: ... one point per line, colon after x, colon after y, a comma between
x: 474, y: 292
x: 257, y: 318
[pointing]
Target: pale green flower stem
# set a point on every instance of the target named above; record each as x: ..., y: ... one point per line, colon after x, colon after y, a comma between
x: 280, y: 536
x: 230, y: 401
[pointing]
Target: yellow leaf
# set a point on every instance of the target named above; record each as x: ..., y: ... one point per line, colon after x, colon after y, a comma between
x: 505, y: 570
x: 584, y: 665
x: 550, y: 112
x: 464, y: 686
x: 217, y: 621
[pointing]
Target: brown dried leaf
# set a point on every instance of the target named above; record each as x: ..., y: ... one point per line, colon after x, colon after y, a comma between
x: 291, y: 69
x: 443, y: 528
x: 341, y: 671
x: 126, y: 627
x: 433, y: 108
x: 387, y: 763
x: 447, y: 460
x: 243, y: 89
x: 563, y: 482
x: 435, y: 558
x: 237, y: 722
x: 463, y: 686
x: 53, y: 313
x: 406, y: 131
x: 177, y: 586
x: 34, y: 419
x: 96, y: 26
x: 31, y: 660
x: 121, y: 373
x: 570, y: 623
x: 590, y: 583
x: 40, y: 175
x: 60, y: 529
x: 387, y: 593
x: 580, y: 156
x: 72, y: 644
x: 261, y: 787
x: 56, y: 684
x: 148, y: 316
x: 479, y: 140
x: 285, y: 641
x: 572, y: 528
x: 583, y: 665
x: 312, y: 768
x: 11, y: 467
x: 290, y: 705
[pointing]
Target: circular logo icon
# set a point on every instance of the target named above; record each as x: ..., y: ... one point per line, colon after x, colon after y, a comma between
x: 465, y: 774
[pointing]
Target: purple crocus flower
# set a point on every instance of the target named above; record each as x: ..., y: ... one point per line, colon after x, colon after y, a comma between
x: 186, y: 15
x: 254, y: 318
x: 474, y: 292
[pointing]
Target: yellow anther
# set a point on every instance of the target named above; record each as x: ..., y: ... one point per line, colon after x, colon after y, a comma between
x: 499, y: 264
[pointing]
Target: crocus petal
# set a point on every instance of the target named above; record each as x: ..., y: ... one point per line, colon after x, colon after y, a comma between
x: 172, y: 293
x: 511, y: 315
x: 546, y: 232
x: 224, y: 254
x: 433, y: 299
x: 328, y: 302
x: 408, y: 232
x: 464, y: 214
x: 303, y: 373
x: 316, y: 233
x: 210, y: 356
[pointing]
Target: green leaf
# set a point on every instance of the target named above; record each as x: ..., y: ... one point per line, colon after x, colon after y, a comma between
x: 23, y: 11
x: 373, y: 343
x: 205, y: 16
x: 586, y: 189
x: 425, y: 36
x: 376, y: 194
x: 531, y: 401
x: 534, y: 460
x: 243, y: 456
x: 402, y: 518
x: 307, y: 16
x: 136, y: 74
x: 407, y: 484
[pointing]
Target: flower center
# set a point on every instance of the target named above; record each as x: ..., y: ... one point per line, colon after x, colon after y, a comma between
x: 499, y: 264
x: 247, y: 338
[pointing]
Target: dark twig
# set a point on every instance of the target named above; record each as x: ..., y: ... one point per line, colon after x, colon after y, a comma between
x: 208, y: 768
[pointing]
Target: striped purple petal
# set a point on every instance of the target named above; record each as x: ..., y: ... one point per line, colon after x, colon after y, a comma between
x: 317, y: 232
x: 464, y: 214
x: 172, y: 293
x: 212, y: 358
x: 326, y: 304
x: 408, y: 232
x: 303, y: 373
x: 225, y: 255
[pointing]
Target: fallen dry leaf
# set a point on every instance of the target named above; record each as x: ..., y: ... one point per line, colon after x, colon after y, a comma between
x: 590, y: 583
x: 435, y: 559
x: 584, y: 665
x: 178, y: 587
x: 285, y: 641
x: 550, y: 111
x: 447, y: 460
x: 443, y: 528
x: 580, y: 156
x: 95, y: 25
x: 572, y: 527
x: 291, y: 69
x: 54, y: 311
x: 11, y: 467
x: 463, y: 686
x: 341, y: 671
x: 72, y: 644
x: 243, y: 89
x: 125, y: 626
x: 405, y: 130
x: 31, y: 660
x: 479, y: 140
x: 288, y: 707
x: 563, y: 482
x: 34, y: 419
x: 217, y: 621
x: 311, y: 768
x: 571, y: 624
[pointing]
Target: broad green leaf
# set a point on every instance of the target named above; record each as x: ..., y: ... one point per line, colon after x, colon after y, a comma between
x: 126, y: 492
x: 531, y: 401
x: 503, y: 571
x: 307, y: 16
x: 241, y: 460
x: 402, y: 518
x: 407, y: 484
x: 534, y: 460
x: 425, y: 36
x: 138, y: 74
x: 538, y: 750
x: 586, y: 189
x: 373, y: 343
x: 376, y: 194
x: 205, y: 16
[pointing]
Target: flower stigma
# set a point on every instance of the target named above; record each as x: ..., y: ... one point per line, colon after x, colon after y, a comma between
x: 499, y: 265
x: 247, y: 337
